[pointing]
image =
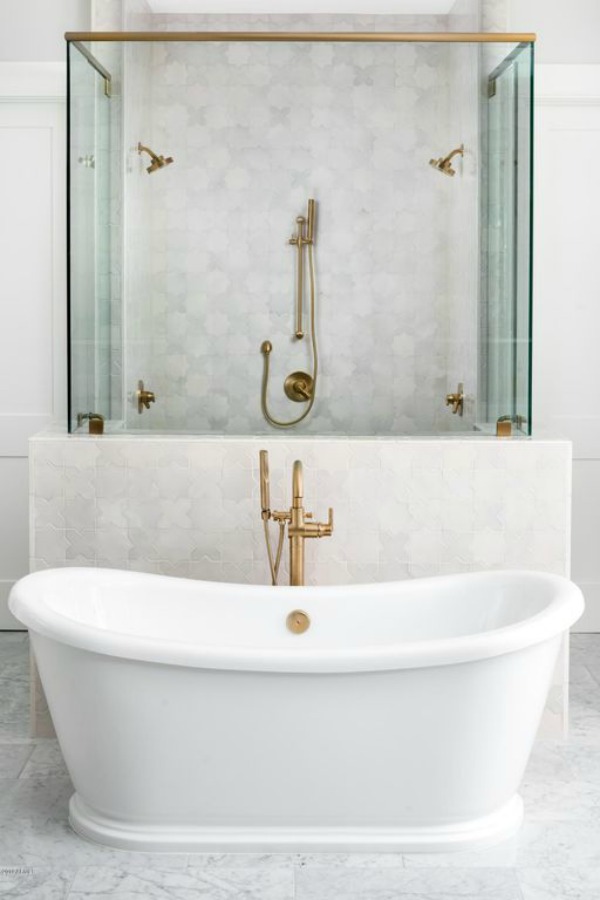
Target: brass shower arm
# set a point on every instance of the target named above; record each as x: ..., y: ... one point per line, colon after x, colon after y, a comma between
x: 158, y: 162
x: 444, y: 163
x: 142, y: 149
x: 459, y: 151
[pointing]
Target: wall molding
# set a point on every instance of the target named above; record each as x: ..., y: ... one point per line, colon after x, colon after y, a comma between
x: 33, y: 82
x: 15, y: 431
x: 590, y: 621
x: 565, y: 311
x: 7, y: 620
x: 567, y: 85
x: 32, y: 115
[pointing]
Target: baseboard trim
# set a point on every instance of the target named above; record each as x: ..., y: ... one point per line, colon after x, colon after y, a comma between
x: 590, y: 620
x: 7, y: 620
x: 33, y: 82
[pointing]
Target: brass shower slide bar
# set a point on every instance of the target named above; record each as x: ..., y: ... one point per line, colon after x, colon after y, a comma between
x: 381, y: 37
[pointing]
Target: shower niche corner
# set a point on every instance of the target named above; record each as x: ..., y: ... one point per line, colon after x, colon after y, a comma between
x: 309, y: 237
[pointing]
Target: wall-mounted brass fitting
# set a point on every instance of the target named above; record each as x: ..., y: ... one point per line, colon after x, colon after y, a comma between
x: 504, y: 426
x: 444, y: 163
x: 95, y: 422
x: 299, y: 386
x: 144, y: 397
x: 158, y: 161
x: 456, y: 400
x: 298, y: 521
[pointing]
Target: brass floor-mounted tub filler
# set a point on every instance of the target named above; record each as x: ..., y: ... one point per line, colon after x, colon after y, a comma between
x: 298, y: 386
x: 296, y: 518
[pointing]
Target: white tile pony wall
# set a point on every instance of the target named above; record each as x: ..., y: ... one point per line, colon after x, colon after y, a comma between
x: 404, y: 508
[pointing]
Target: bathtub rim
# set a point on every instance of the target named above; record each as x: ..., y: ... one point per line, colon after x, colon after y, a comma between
x: 565, y: 607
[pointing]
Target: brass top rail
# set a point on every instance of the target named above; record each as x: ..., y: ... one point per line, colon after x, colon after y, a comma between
x: 382, y: 37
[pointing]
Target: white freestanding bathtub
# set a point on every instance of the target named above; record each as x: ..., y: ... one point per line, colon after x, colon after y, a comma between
x: 191, y: 718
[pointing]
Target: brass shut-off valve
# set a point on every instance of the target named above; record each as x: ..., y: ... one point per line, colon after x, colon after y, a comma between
x: 144, y: 397
x: 456, y: 400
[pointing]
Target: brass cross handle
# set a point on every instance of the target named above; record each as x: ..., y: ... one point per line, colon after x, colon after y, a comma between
x: 144, y: 398
x: 456, y: 401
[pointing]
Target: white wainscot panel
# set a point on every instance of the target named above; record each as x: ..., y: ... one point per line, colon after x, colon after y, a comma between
x: 14, y: 541
x: 566, y: 302
x: 32, y: 292
x: 567, y: 275
x: 586, y: 539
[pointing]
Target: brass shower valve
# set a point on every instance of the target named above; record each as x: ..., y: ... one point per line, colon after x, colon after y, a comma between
x: 456, y: 400
x: 144, y: 397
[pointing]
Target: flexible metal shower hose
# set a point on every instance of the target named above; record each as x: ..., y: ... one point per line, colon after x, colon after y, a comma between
x: 313, y: 337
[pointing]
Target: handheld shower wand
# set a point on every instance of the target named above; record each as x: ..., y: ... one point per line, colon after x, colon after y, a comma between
x: 266, y: 515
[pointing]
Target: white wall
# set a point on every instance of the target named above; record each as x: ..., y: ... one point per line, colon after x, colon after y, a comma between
x: 566, y: 402
x: 32, y: 251
x: 32, y: 293
x: 34, y: 29
x: 567, y: 278
x: 567, y: 32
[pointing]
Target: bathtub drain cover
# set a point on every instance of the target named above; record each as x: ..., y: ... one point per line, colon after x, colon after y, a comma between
x: 298, y: 621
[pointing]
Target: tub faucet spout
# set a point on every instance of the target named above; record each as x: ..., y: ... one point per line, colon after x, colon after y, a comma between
x: 299, y: 525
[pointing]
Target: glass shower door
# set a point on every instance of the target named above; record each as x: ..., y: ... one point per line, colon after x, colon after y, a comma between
x: 506, y: 250
x: 89, y: 239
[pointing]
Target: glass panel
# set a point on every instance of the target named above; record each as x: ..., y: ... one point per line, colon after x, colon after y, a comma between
x: 89, y: 239
x: 422, y: 279
x: 506, y: 269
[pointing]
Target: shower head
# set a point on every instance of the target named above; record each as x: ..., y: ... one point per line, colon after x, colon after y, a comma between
x: 158, y: 162
x: 444, y: 163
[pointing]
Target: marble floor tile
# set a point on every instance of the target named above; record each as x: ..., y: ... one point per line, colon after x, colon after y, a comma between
x: 562, y: 782
x: 559, y: 844
x: 585, y: 645
x: 11, y: 644
x: 14, y: 709
x: 502, y: 855
x: 316, y: 882
x: 584, y: 718
x: 13, y: 758
x: 560, y: 884
x: 53, y: 843
x: 36, y: 799
x: 537, y: 844
x: 580, y: 674
x: 45, y: 761
x: 34, y: 884
x: 555, y: 855
x: 593, y: 667
x: 160, y: 882
x: 366, y: 860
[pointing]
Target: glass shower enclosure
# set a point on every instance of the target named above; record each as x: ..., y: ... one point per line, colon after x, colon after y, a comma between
x: 301, y: 234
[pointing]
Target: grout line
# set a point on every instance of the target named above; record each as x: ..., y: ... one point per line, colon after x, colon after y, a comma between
x: 27, y: 758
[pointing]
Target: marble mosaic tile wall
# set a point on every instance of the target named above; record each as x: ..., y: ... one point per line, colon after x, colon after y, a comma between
x: 190, y: 507
x: 255, y: 130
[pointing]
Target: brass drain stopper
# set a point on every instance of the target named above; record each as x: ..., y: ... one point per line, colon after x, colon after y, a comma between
x: 298, y: 621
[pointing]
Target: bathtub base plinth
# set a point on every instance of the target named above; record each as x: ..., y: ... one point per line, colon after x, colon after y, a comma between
x: 459, y: 836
